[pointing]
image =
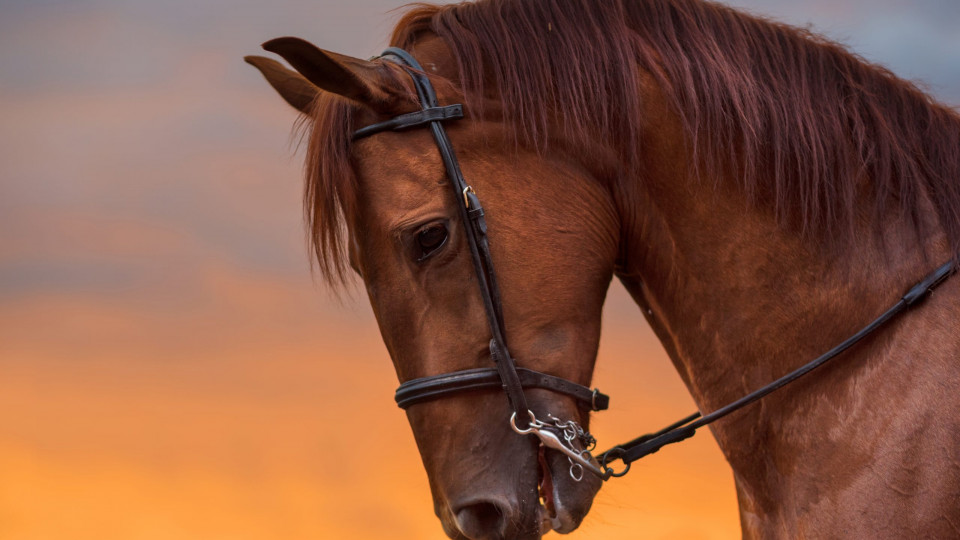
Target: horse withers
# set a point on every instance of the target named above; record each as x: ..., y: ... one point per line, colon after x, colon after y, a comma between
x: 761, y: 192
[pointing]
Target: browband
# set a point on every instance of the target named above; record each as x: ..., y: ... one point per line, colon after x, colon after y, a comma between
x: 414, y: 119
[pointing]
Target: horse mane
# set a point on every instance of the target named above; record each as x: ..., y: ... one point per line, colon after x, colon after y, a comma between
x: 810, y: 128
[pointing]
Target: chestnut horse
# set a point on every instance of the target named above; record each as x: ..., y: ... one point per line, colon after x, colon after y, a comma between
x: 762, y: 194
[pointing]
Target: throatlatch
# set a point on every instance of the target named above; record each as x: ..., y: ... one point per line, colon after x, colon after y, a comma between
x: 565, y: 436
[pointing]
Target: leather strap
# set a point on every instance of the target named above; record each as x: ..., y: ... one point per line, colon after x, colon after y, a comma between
x: 472, y: 217
x: 438, y: 386
x: 687, y: 427
x: 411, y: 120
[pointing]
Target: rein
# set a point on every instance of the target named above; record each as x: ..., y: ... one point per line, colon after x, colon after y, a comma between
x: 565, y: 436
x: 684, y: 429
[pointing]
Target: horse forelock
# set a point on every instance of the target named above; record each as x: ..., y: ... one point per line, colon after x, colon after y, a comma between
x: 330, y: 193
x: 810, y: 127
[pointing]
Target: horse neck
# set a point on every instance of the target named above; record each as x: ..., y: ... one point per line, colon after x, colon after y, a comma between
x: 739, y: 300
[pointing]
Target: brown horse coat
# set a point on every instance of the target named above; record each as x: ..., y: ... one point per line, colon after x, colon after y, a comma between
x: 760, y: 191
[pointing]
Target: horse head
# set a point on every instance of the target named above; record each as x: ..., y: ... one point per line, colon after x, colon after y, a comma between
x: 553, y: 238
x: 759, y: 191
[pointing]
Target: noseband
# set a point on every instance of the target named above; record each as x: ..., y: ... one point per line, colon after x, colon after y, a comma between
x: 565, y: 436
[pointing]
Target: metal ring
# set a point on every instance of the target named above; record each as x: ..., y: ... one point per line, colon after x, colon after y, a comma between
x: 466, y: 200
x: 609, y: 472
x: 573, y: 467
x: 593, y: 399
x: 610, y: 455
x: 530, y: 426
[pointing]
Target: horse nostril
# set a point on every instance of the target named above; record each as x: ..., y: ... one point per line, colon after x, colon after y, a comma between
x: 481, y: 520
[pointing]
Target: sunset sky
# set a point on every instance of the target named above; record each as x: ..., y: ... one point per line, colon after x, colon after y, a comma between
x: 168, y: 366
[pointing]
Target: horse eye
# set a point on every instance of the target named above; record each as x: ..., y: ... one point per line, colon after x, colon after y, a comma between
x: 430, y: 239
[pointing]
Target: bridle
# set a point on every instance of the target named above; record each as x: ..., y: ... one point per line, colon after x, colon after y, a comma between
x: 506, y: 375
x: 565, y: 436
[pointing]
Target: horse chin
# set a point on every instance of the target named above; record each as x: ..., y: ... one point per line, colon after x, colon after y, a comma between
x: 564, y: 502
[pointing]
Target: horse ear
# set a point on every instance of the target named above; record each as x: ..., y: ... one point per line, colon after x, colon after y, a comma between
x: 291, y: 86
x: 365, y: 82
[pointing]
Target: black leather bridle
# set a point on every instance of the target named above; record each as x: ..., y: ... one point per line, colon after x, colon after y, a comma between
x: 565, y: 436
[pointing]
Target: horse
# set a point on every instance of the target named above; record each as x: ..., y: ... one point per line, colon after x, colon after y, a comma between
x: 760, y: 191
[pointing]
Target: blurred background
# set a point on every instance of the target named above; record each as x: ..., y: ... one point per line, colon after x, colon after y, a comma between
x: 168, y: 366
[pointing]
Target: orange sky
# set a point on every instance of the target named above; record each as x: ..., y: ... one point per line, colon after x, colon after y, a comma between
x: 168, y: 368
